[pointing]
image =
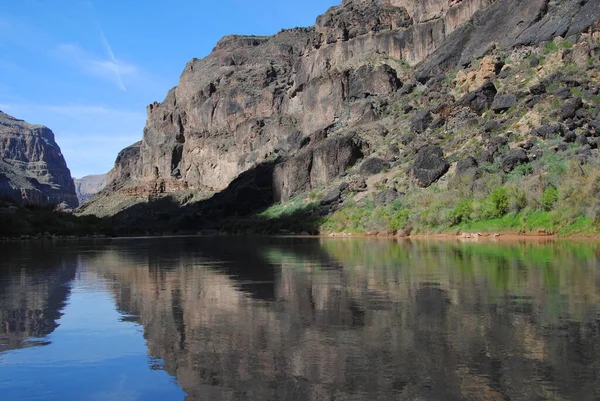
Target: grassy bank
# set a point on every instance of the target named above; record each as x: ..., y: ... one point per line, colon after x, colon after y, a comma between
x: 562, y: 199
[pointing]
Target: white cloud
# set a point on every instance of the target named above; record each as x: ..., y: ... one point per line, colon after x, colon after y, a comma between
x: 109, y: 68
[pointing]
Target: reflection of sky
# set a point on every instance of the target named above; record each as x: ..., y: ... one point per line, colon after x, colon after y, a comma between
x: 92, y: 355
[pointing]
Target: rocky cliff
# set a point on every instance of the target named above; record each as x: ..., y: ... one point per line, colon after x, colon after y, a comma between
x: 32, y: 167
x: 368, y: 77
x: 87, y: 186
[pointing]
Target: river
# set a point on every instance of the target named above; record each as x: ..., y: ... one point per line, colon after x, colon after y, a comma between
x: 249, y: 318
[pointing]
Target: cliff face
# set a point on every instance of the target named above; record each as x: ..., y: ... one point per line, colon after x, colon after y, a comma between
x: 32, y: 167
x: 87, y: 186
x: 306, y: 99
x: 254, y: 98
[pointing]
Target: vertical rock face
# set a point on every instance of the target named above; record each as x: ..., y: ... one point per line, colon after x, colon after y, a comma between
x: 32, y: 167
x: 255, y: 98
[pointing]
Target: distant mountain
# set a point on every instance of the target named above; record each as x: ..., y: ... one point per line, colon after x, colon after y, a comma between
x: 87, y: 186
x: 32, y: 167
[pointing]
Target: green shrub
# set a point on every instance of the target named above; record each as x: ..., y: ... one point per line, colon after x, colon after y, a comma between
x: 462, y: 211
x: 399, y: 220
x: 551, y: 47
x: 549, y: 198
x: 518, y: 199
x: 396, y: 205
x: 496, y: 205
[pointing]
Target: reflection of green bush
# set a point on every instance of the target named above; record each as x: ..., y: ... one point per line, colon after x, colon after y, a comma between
x: 551, y: 270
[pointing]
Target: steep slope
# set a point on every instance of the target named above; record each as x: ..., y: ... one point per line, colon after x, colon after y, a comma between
x: 87, y: 186
x: 32, y: 167
x: 373, y: 79
x: 254, y: 98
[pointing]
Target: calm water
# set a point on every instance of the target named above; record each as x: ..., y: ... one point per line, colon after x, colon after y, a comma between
x: 299, y: 319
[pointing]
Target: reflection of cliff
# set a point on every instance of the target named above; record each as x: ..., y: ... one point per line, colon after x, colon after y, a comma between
x: 34, y: 285
x: 237, y: 319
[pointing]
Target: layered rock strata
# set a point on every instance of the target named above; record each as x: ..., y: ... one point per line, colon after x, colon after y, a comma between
x: 32, y: 167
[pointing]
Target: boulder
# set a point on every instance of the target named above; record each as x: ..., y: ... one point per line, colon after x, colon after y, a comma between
x: 466, y: 165
x: 481, y: 99
x: 373, y: 165
x: 569, y: 108
x: 513, y: 158
x: 429, y: 165
x: 538, y: 89
x: 421, y: 121
x: 549, y: 131
x: 595, y: 125
x: 503, y: 103
x: 331, y: 196
x: 385, y: 197
x: 492, y: 126
x: 570, y: 137
x: 581, y: 140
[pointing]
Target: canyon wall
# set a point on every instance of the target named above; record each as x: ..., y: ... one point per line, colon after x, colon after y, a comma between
x: 32, y: 167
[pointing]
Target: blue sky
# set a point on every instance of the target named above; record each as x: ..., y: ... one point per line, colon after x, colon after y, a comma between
x: 88, y: 69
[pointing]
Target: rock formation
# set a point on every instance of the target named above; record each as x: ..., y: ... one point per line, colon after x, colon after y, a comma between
x: 313, y: 101
x: 32, y: 167
x: 87, y: 186
x: 33, y: 293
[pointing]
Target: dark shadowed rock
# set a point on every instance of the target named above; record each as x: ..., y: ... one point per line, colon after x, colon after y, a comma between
x: 481, y: 99
x: 581, y: 140
x: 315, y: 166
x: 596, y: 125
x: 466, y: 166
x: 385, y: 197
x: 514, y: 157
x: 374, y: 165
x: 429, y: 165
x: 331, y: 196
x: 549, y: 131
x: 408, y: 87
x: 503, y: 103
x: 569, y: 108
x: 421, y: 121
x: 367, y: 81
x: 538, y: 89
x: 492, y: 126
x: 485, y: 156
x: 570, y: 137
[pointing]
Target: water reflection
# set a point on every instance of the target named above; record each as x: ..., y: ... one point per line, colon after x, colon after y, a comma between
x: 327, y: 319
x: 34, y: 286
x: 308, y: 319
